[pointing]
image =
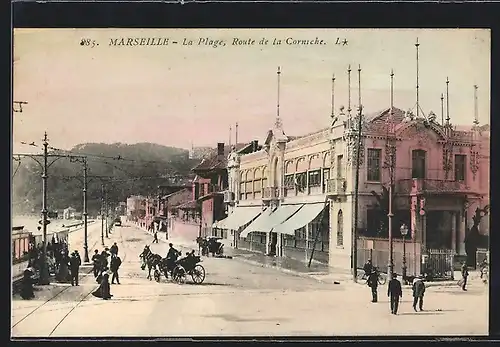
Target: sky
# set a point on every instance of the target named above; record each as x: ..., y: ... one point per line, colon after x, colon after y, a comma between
x: 179, y: 95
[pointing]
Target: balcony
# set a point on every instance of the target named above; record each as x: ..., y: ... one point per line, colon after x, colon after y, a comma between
x: 416, y: 186
x: 270, y: 193
x: 336, y: 186
x: 228, y: 197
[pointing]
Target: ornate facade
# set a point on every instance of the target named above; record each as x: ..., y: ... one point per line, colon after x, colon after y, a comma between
x: 439, y: 174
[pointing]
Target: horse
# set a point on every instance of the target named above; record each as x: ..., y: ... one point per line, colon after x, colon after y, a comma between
x: 149, y: 259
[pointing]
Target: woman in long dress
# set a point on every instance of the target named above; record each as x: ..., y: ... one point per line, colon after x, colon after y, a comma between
x: 63, y: 274
x: 27, y: 285
x: 103, y: 291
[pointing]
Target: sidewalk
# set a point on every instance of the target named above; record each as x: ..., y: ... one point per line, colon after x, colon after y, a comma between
x: 318, y: 271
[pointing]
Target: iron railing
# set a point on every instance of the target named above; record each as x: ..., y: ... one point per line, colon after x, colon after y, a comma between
x: 422, y: 185
x: 269, y: 193
x: 336, y: 186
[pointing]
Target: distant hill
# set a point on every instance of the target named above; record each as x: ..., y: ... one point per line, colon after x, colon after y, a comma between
x: 141, y: 168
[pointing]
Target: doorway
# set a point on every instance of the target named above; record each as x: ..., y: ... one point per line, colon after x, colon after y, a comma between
x: 273, y: 241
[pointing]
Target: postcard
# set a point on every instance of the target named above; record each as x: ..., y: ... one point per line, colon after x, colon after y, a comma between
x: 250, y: 182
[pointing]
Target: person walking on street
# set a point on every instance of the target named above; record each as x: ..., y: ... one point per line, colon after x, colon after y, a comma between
x: 155, y: 237
x: 103, y: 291
x: 96, y: 262
x: 394, y: 292
x: 372, y: 282
x: 465, y: 274
x: 74, y: 264
x: 418, y: 293
x: 114, y: 249
x: 114, y: 266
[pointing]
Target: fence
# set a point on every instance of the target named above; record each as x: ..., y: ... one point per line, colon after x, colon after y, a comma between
x: 440, y: 263
x: 377, y: 249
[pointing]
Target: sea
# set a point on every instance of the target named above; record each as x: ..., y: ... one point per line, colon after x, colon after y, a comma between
x: 30, y: 223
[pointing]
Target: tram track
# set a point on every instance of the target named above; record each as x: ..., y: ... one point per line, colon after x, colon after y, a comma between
x: 59, y: 293
x: 123, y: 247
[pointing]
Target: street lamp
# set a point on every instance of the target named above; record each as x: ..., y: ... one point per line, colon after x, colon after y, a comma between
x: 404, y: 231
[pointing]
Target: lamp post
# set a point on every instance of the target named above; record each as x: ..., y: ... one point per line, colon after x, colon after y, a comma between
x: 404, y: 231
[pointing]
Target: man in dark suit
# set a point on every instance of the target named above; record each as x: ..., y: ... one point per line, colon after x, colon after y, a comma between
x: 465, y: 273
x: 372, y: 282
x: 394, y: 292
x: 418, y: 293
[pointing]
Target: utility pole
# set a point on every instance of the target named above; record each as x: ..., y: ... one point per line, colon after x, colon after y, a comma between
x: 356, y: 188
x: 391, y: 164
x: 102, y: 214
x: 20, y: 106
x: 85, y: 212
x: 106, y: 211
x: 44, y: 271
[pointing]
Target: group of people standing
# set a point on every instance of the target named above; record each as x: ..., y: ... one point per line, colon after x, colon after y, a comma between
x: 68, y: 270
x: 57, y: 253
x: 103, y: 263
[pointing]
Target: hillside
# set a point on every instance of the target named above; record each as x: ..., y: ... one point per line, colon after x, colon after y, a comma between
x: 136, y: 169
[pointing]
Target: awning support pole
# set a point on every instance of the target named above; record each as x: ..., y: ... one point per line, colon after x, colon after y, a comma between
x: 318, y: 232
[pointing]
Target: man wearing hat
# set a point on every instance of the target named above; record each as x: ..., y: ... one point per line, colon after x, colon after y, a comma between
x: 74, y: 263
x: 418, y: 293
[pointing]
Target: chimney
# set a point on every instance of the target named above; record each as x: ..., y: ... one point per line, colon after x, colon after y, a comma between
x: 255, y: 145
x: 220, y: 148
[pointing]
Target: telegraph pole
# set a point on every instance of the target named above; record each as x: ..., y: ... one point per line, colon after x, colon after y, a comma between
x: 102, y: 213
x: 85, y: 212
x: 356, y: 188
x: 44, y: 271
x: 106, y: 211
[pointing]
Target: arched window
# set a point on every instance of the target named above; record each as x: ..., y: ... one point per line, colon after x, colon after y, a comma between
x: 418, y: 166
x: 340, y: 229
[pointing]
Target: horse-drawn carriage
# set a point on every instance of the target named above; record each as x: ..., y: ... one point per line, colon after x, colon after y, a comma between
x: 178, y: 269
x: 211, y: 244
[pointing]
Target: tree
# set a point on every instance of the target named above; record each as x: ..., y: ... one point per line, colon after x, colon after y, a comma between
x: 383, y: 210
x: 139, y: 169
x: 472, y: 236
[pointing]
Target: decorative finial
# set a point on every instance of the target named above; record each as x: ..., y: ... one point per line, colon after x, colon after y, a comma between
x: 476, y: 111
x: 278, y: 120
x: 447, y: 101
x: 442, y: 109
x: 349, y: 91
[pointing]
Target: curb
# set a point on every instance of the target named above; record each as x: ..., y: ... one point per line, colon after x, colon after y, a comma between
x: 291, y: 272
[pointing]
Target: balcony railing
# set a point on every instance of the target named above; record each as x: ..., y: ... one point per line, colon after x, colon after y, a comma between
x: 228, y: 196
x: 422, y: 185
x: 270, y: 193
x: 336, y: 186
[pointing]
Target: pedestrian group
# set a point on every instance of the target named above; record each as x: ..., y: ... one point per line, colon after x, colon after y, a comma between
x: 394, y: 288
x: 105, y: 263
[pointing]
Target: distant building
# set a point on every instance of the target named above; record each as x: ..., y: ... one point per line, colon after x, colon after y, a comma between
x: 69, y: 213
x: 135, y: 207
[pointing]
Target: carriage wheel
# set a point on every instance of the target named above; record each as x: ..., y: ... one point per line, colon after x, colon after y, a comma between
x: 198, y: 274
x: 157, y: 275
x: 179, y: 274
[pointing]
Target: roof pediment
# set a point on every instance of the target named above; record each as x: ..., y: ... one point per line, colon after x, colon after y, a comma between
x: 421, y: 130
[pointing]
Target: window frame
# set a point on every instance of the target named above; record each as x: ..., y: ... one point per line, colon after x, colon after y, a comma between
x: 373, y: 165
